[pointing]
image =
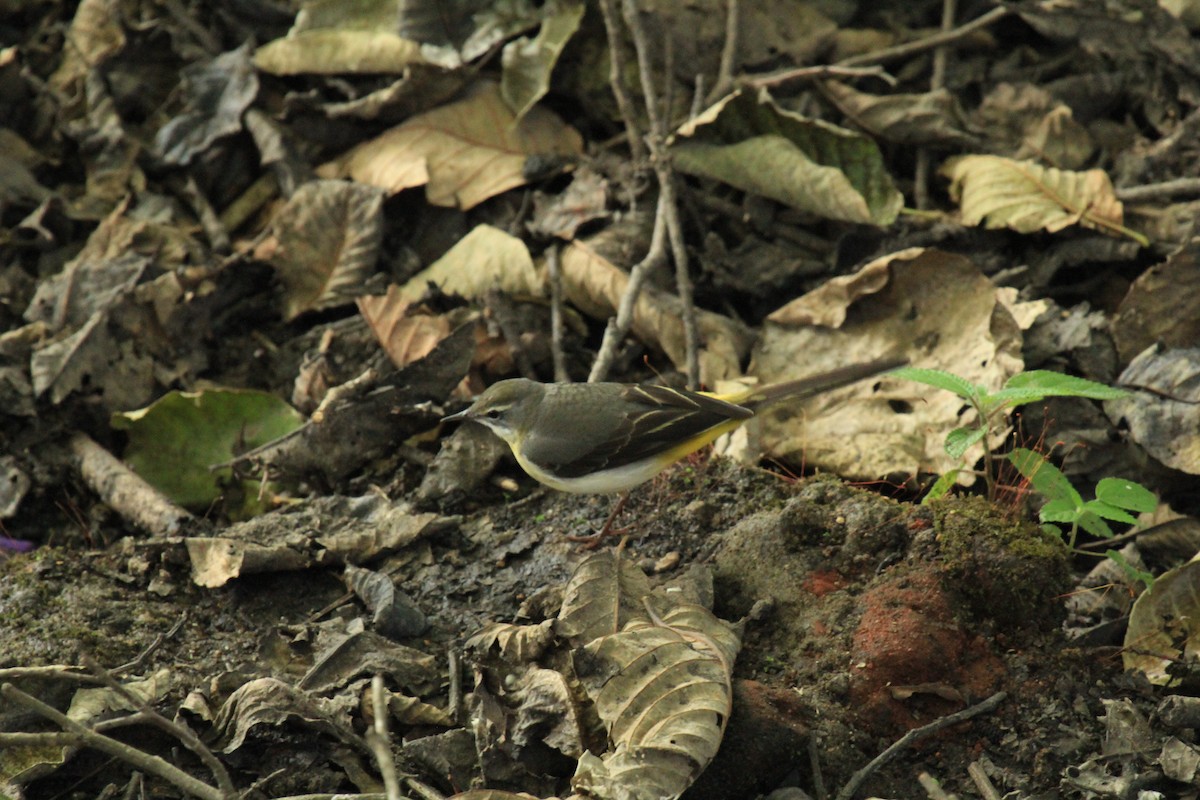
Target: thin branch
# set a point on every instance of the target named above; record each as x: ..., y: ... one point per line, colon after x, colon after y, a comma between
x: 616, y: 79
x: 819, y: 73
x: 556, y: 316
x: 641, y: 46
x: 143, y: 761
x: 124, y: 491
x: 683, y: 281
x: 1159, y: 191
x: 936, y: 81
x: 915, y: 735
x: 928, y: 43
x: 619, y: 325
x: 184, y: 734
x: 378, y: 741
x: 728, y: 52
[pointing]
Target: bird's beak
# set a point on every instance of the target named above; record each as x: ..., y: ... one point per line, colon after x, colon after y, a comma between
x: 459, y: 416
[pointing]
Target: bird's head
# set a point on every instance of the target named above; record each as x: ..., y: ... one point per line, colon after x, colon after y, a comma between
x: 506, y: 407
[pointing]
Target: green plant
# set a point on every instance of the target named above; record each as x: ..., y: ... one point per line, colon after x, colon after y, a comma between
x: 1115, y: 498
x: 991, y: 407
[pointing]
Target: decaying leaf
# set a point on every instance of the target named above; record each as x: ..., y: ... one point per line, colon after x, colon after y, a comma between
x: 463, y: 153
x: 1162, y: 625
x: 486, y: 258
x: 604, y: 594
x: 528, y: 62
x: 1164, y: 415
x: 932, y: 118
x: 324, y: 244
x: 267, y: 701
x: 404, y: 337
x: 753, y: 144
x: 1162, y: 305
x: 971, y: 328
x: 1028, y: 197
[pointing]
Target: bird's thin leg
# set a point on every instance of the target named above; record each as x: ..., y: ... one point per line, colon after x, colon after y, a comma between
x: 593, y: 541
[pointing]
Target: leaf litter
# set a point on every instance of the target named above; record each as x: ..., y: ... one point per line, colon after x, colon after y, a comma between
x: 154, y: 250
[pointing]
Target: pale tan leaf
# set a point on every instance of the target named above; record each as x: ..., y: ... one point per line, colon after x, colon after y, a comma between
x: 332, y: 52
x: 516, y: 644
x: 595, y: 286
x: 1026, y: 197
x: 968, y: 327
x: 405, y: 337
x: 919, y: 119
x: 486, y: 258
x: 324, y: 244
x: 463, y: 153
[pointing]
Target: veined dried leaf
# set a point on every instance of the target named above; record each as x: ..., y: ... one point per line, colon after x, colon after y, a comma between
x: 604, y: 593
x: 1162, y: 625
x: 663, y: 689
x: 486, y: 258
x: 332, y: 52
x: 463, y: 153
x: 1027, y: 197
x: 325, y: 243
x: 517, y: 644
x: 918, y: 119
x: 405, y: 337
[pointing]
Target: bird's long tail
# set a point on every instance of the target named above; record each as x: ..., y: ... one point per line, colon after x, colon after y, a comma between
x: 801, y: 388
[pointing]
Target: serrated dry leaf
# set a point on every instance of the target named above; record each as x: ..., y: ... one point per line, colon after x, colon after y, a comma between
x: 594, y: 285
x: 463, y: 153
x: 324, y: 244
x: 1026, y: 197
x: 604, y: 593
x: 405, y: 337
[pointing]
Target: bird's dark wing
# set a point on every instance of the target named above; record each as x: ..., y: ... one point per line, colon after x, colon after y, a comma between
x: 657, y: 419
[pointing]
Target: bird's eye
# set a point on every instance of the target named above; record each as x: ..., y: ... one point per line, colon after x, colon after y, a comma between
x: 493, y: 414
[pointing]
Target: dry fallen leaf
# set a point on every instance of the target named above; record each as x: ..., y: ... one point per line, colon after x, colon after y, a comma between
x: 405, y: 337
x: 463, y: 153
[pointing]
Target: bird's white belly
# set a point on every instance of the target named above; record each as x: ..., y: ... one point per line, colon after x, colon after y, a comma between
x: 608, y: 481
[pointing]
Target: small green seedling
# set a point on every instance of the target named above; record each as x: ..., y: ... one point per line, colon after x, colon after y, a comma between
x: 991, y: 407
x: 1115, y: 498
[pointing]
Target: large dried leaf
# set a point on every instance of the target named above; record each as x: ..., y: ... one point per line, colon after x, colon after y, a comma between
x: 1163, y: 627
x: 217, y: 93
x: 971, y: 327
x: 809, y: 164
x: 595, y: 285
x: 332, y: 36
x: 324, y: 244
x: 463, y: 153
x: 1027, y: 197
x: 486, y: 258
x: 1162, y: 305
x: 662, y: 687
x: 271, y: 702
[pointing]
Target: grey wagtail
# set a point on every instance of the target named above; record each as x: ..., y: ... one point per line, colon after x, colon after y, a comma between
x: 601, y: 438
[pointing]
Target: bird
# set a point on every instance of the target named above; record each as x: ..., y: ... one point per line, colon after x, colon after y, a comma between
x: 607, y: 438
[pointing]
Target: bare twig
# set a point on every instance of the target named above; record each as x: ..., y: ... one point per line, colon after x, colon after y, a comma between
x: 124, y: 491
x: 143, y: 761
x: 57, y: 672
x: 819, y: 73
x: 641, y: 46
x: 619, y: 325
x: 933, y: 789
x: 728, y: 52
x: 928, y: 43
x: 982, y: 782
x: 915, y: 735
x: 683, y: 281
x: 616, y: 79
x: 148, y: 651
x: 377, y: 740
x: 1159, y: 191
x: 556, y: 317
x: 184, y: 734
x: 936, y: 81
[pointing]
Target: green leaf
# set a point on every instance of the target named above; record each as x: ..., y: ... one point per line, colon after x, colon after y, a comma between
x: 941, y: 486
x: 173, y: 441
x: 1103, y: 509
x: 1133, y: 573
x: 939, y: 379
x: 1126, y: 494
x: 1044, y: 476
x: 1055, y: 384
x: 1060, y: 510
x: 959, y: 440
x: 1095, y: 526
